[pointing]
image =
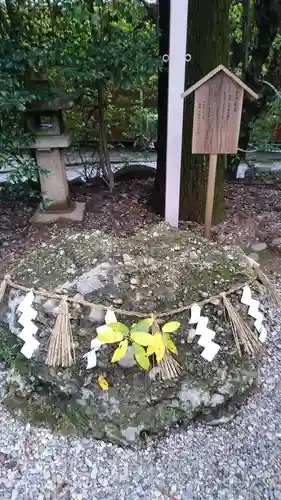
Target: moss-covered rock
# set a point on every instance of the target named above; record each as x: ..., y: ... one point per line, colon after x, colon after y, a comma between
x: 155, y: 271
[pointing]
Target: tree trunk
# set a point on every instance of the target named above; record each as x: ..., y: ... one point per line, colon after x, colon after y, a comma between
x: 208, y: 44
x: 158, y: 199
x: 103, y: 144
x: 246, y: 33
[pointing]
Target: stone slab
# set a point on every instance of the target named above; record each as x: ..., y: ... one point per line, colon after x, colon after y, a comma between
x: 137, y: 405
x: 77, y: 214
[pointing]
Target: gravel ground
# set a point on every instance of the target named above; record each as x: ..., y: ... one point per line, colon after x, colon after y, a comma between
x: 238, y: 461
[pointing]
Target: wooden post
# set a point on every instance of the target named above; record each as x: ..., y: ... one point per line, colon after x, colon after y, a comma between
x: 177, y: 62
x: 210, y: 194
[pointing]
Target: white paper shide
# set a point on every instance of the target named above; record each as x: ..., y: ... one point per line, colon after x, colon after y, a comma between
x: 206, y: 335
x: 96, y: 344
x: 254, y: 312
x: 28, y: 315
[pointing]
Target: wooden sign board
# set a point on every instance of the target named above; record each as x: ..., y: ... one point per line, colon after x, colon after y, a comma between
x: 217, y: 116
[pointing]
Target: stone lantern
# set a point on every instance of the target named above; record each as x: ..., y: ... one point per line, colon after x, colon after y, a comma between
x: 44, y: 119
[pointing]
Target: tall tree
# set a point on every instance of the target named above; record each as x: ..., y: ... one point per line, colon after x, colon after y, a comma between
x: 208, y: 44
x: 163, y: 80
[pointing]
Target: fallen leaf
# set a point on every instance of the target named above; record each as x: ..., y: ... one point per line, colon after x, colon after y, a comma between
x: 103, y: 383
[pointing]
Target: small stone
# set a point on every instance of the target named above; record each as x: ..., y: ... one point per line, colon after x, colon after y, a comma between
x: 259, y: 247
x: 191, y: 336
x: 46, y: 474
x: 94, y: 472
x: 3, y: 458
x: 71, y: 270
x: 135, y: 281
x: 15, y: 494
x: 276, y: 242
x: 254, y: 256
x: 88, y: 462
x: 193, y: 256
x: 221, y: 237
x: 51, y: 306
x: 215, y: 301
x: 118, y: 301
x: 11, y: 464
x: 96, y: 315
x: 127, y: 259
x: 128, y: 361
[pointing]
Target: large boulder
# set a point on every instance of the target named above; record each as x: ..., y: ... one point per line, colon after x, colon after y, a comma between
x: 155, y: 271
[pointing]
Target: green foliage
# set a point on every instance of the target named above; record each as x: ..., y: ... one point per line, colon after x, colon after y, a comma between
x: 235, y: 21
x: 112, y: 46
x: 14, y: 98
x: 9, y: 346
x: 171, y: 327
x: 169, y: 344
x: 120, y: 352
x: 142, y: 125
x: 110, y: 41
x: 156, y: 342
x: 142, y: 338
x: 23, y: 179
x: 141, y: 356
x: 110, y: 336
x: 262, y: 128
x: 142, y: 326
x: 94, y: 46
x: 24, y: 51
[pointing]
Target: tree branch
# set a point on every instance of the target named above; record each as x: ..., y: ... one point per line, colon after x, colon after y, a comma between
x: 150, y: 10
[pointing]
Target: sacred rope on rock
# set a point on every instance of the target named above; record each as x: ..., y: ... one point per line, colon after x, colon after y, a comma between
x: 158, y: 343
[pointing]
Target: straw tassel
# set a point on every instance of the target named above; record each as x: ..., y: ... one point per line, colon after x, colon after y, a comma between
x: 61, y: 350
x: 3, y: 286
x: 271, y: 290
x: 241, y: 332
x: 169, y: 368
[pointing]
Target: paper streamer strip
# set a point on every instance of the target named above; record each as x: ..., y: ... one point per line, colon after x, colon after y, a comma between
x: 30, y: 347
x: 206, y: 335
x: 254, y: 312
x: 29, y: 328
x: 96, y: 344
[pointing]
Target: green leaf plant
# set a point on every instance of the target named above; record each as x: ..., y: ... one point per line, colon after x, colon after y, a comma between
x: 146, y: 338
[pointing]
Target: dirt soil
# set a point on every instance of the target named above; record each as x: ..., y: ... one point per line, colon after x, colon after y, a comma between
x: 253, y: 213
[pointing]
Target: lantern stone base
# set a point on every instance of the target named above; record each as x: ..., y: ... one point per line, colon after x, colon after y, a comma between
x: 53, y: 178
x: 54, y: 186
x: 74, y: 213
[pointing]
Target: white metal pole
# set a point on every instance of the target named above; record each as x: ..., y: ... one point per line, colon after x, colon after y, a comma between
x: 177, y: 61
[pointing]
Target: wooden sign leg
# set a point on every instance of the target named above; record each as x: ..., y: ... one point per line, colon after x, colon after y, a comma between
x: 210, y: 194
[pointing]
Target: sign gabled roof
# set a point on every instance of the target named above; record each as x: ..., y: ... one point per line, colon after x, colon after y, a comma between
x: 212, y: 73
